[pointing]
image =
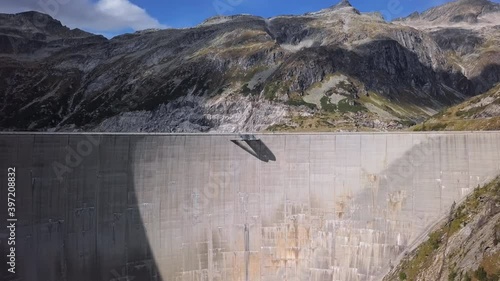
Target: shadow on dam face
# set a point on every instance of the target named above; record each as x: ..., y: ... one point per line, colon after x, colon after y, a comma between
x: 196, y: 207
x: 77, y: 213
x: 256, y: 148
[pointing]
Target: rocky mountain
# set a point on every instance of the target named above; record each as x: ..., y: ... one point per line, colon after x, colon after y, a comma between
x: 468, y: 31
x: 335, y: 69
x: 470, y: 12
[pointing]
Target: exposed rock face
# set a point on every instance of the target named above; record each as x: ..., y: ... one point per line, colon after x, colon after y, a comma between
x: 468, y: 11
x: 468, y: 31
x: 235, y: 73
x: 198, y: 114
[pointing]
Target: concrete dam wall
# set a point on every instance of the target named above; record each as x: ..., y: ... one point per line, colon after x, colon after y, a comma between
x: 226, y: 207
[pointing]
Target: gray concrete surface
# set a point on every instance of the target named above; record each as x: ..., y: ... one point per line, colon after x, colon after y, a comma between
x: 219, y: 207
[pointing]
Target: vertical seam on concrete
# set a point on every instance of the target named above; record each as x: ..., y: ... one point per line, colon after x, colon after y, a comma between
x: 440, y: 187
x: 96, y: 220
x: 386, y: 195
x: 33, y: 183
x: 467, y: 184
x: 209, y: 181
x: 308, y: 193
x: 259, y: 175
x: 413, y: 192
x: 285, y: 210
x: 159, y: 188
x: 210, y: 233
x: 129, y: 164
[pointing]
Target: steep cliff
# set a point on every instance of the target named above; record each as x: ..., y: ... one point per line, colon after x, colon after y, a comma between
x: 468, y: 32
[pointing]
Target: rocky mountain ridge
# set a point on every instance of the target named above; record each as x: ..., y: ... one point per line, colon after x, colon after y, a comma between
x: 461, y: 11
x: 468, y: 31
x: 336, y: 69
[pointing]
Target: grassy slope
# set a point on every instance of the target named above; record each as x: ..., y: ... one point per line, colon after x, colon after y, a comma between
x: 449, y: 248
x: 468, y: 115
x: 349, y: 114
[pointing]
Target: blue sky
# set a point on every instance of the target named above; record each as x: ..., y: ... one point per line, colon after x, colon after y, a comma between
x: 112, y: 17
x: 190, y: 12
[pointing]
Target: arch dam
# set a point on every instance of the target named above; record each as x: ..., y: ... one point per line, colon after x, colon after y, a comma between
x: 118, y: 207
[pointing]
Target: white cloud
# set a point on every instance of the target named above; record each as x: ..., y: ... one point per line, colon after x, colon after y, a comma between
x: 101, y: 16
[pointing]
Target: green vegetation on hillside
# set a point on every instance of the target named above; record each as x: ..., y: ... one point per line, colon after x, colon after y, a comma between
x: 350, y: 105
x: 481, y: 113
x: 327, y: 106
x: 297, y: 100
x: 422, y: 258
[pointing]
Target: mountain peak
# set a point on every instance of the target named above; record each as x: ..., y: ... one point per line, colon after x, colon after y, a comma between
x: 38, y: 19
x: 33, y: 23
x: 343, y: 4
